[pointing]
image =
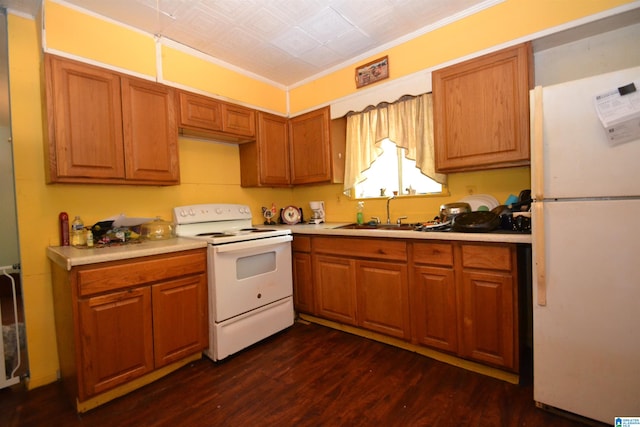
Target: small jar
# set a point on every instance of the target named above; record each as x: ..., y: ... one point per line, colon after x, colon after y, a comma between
x: 158, y: 229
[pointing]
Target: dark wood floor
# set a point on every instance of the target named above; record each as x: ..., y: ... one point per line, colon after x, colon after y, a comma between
x: 308, y: 375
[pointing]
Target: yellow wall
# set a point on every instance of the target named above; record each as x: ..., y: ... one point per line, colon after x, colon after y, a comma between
x: 499, y: 24
x: 198, y: 73
x: 209, y: 171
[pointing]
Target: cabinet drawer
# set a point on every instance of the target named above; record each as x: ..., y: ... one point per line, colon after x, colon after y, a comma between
x: 433, y: 253
x: 301, y: 244
x: 125, y: 274
x: 385, y: 249
x: 489, y: 257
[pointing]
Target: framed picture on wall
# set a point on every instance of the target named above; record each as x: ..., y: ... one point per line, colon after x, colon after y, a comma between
x: 372, y: 72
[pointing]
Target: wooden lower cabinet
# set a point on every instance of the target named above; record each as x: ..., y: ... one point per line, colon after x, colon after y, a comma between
x: 456, y: 297
x: 464, y: 300
x: 178, y: 327
x: 303, y: 298
x: 362, y: 282
x: 116, y: 339
x: 335, y: 279
x: 488, y: 304
x: 433, y: 306
x: 383, y: 297
x: 120, y: 320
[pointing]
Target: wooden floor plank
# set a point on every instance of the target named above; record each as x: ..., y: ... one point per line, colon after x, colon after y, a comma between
x: 308, y: 375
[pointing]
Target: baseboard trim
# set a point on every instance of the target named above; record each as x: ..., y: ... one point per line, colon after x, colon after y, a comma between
x: 433, y: 354
x: 135, y: 384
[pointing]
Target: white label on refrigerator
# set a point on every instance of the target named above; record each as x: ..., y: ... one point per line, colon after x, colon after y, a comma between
x: 619, y: 112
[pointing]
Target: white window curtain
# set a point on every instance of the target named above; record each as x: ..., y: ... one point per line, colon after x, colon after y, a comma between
x: 407, y: 122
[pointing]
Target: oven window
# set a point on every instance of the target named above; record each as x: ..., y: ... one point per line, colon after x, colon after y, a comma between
x: 255, y: 264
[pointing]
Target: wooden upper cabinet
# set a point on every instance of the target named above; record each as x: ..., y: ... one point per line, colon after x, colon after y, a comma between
x: 84, y: 122
x: 481, y: 111
x: 307, y: 149
x: 199, y: 112
x: 310, y: 148
x: 107, y: 128
x: 150, y: 131
x: 238, y: 120
x: 206, y: 117
x: 265, y: 161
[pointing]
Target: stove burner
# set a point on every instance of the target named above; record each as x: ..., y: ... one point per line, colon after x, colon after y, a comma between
x: 212, y: 234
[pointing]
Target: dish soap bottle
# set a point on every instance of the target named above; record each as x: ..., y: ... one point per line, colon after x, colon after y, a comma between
x: 360, y: 214
x: 78, y: 237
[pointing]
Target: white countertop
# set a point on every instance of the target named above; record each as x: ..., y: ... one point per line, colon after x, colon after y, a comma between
x: 68, y: 256
x: 330, y: 229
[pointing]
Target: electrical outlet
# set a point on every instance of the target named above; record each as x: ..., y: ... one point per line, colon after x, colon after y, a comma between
x: 472, y: 189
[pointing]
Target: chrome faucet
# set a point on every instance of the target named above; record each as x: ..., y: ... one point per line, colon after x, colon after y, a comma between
x: 389, y: 216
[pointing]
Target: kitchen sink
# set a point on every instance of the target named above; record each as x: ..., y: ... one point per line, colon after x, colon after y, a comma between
x: 378, y: 227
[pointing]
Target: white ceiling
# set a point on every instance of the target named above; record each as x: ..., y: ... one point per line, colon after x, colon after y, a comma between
x: 284, y: 41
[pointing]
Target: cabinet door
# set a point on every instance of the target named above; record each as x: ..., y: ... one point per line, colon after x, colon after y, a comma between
x: 335, y: 288
x: 265, y: 161
x: 116, y: 336
x: 84, y: 122
x: 238, y: 120
x: 433, y: 307
x: 200, y: 112
x: 150, y: 132
x: 383, y: 298
x: 180, y: 322
x: 310, y: 149
x: 488, y: 317
x: 481, y: 111
x: 302, y: 283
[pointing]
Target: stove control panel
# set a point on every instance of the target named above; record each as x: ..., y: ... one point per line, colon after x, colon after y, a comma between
x: 210, y: 213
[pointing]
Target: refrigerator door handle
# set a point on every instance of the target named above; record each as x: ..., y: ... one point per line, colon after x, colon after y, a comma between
x: 537, y: 182
x: 537, y: 147
x: 539, y: 260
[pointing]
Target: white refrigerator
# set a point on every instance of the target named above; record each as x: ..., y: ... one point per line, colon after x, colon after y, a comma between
x: 586, y: 254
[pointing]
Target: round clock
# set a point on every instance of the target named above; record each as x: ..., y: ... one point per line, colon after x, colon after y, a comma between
x: 290, y: 215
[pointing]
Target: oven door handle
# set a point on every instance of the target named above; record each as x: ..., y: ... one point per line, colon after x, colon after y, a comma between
x: 252, y: 244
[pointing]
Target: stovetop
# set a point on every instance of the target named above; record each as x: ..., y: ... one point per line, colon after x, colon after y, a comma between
x: 219, y: 223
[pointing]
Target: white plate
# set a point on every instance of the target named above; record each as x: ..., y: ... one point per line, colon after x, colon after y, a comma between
x: 477, y: 200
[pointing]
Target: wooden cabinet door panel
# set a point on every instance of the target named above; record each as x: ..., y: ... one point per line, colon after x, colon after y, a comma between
x: 302, y: 283
x: 481, y: 111
x: 200, y: 112
x: 238, y: 120
x: 116, y: 340
x: 150, y: 131
x: 180, y: 321
x: 335, y: 288
x: 273, y: 149
x: 383, y: 298
x: 433, y: 303
x: 85, y: 121
x: 310, y: 148
x: 488, y: 317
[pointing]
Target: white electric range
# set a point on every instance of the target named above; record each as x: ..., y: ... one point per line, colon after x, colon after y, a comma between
x: 249, y: 274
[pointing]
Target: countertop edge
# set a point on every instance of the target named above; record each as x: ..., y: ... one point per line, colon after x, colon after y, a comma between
x: 68, y: 257
x: 330, y: 229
